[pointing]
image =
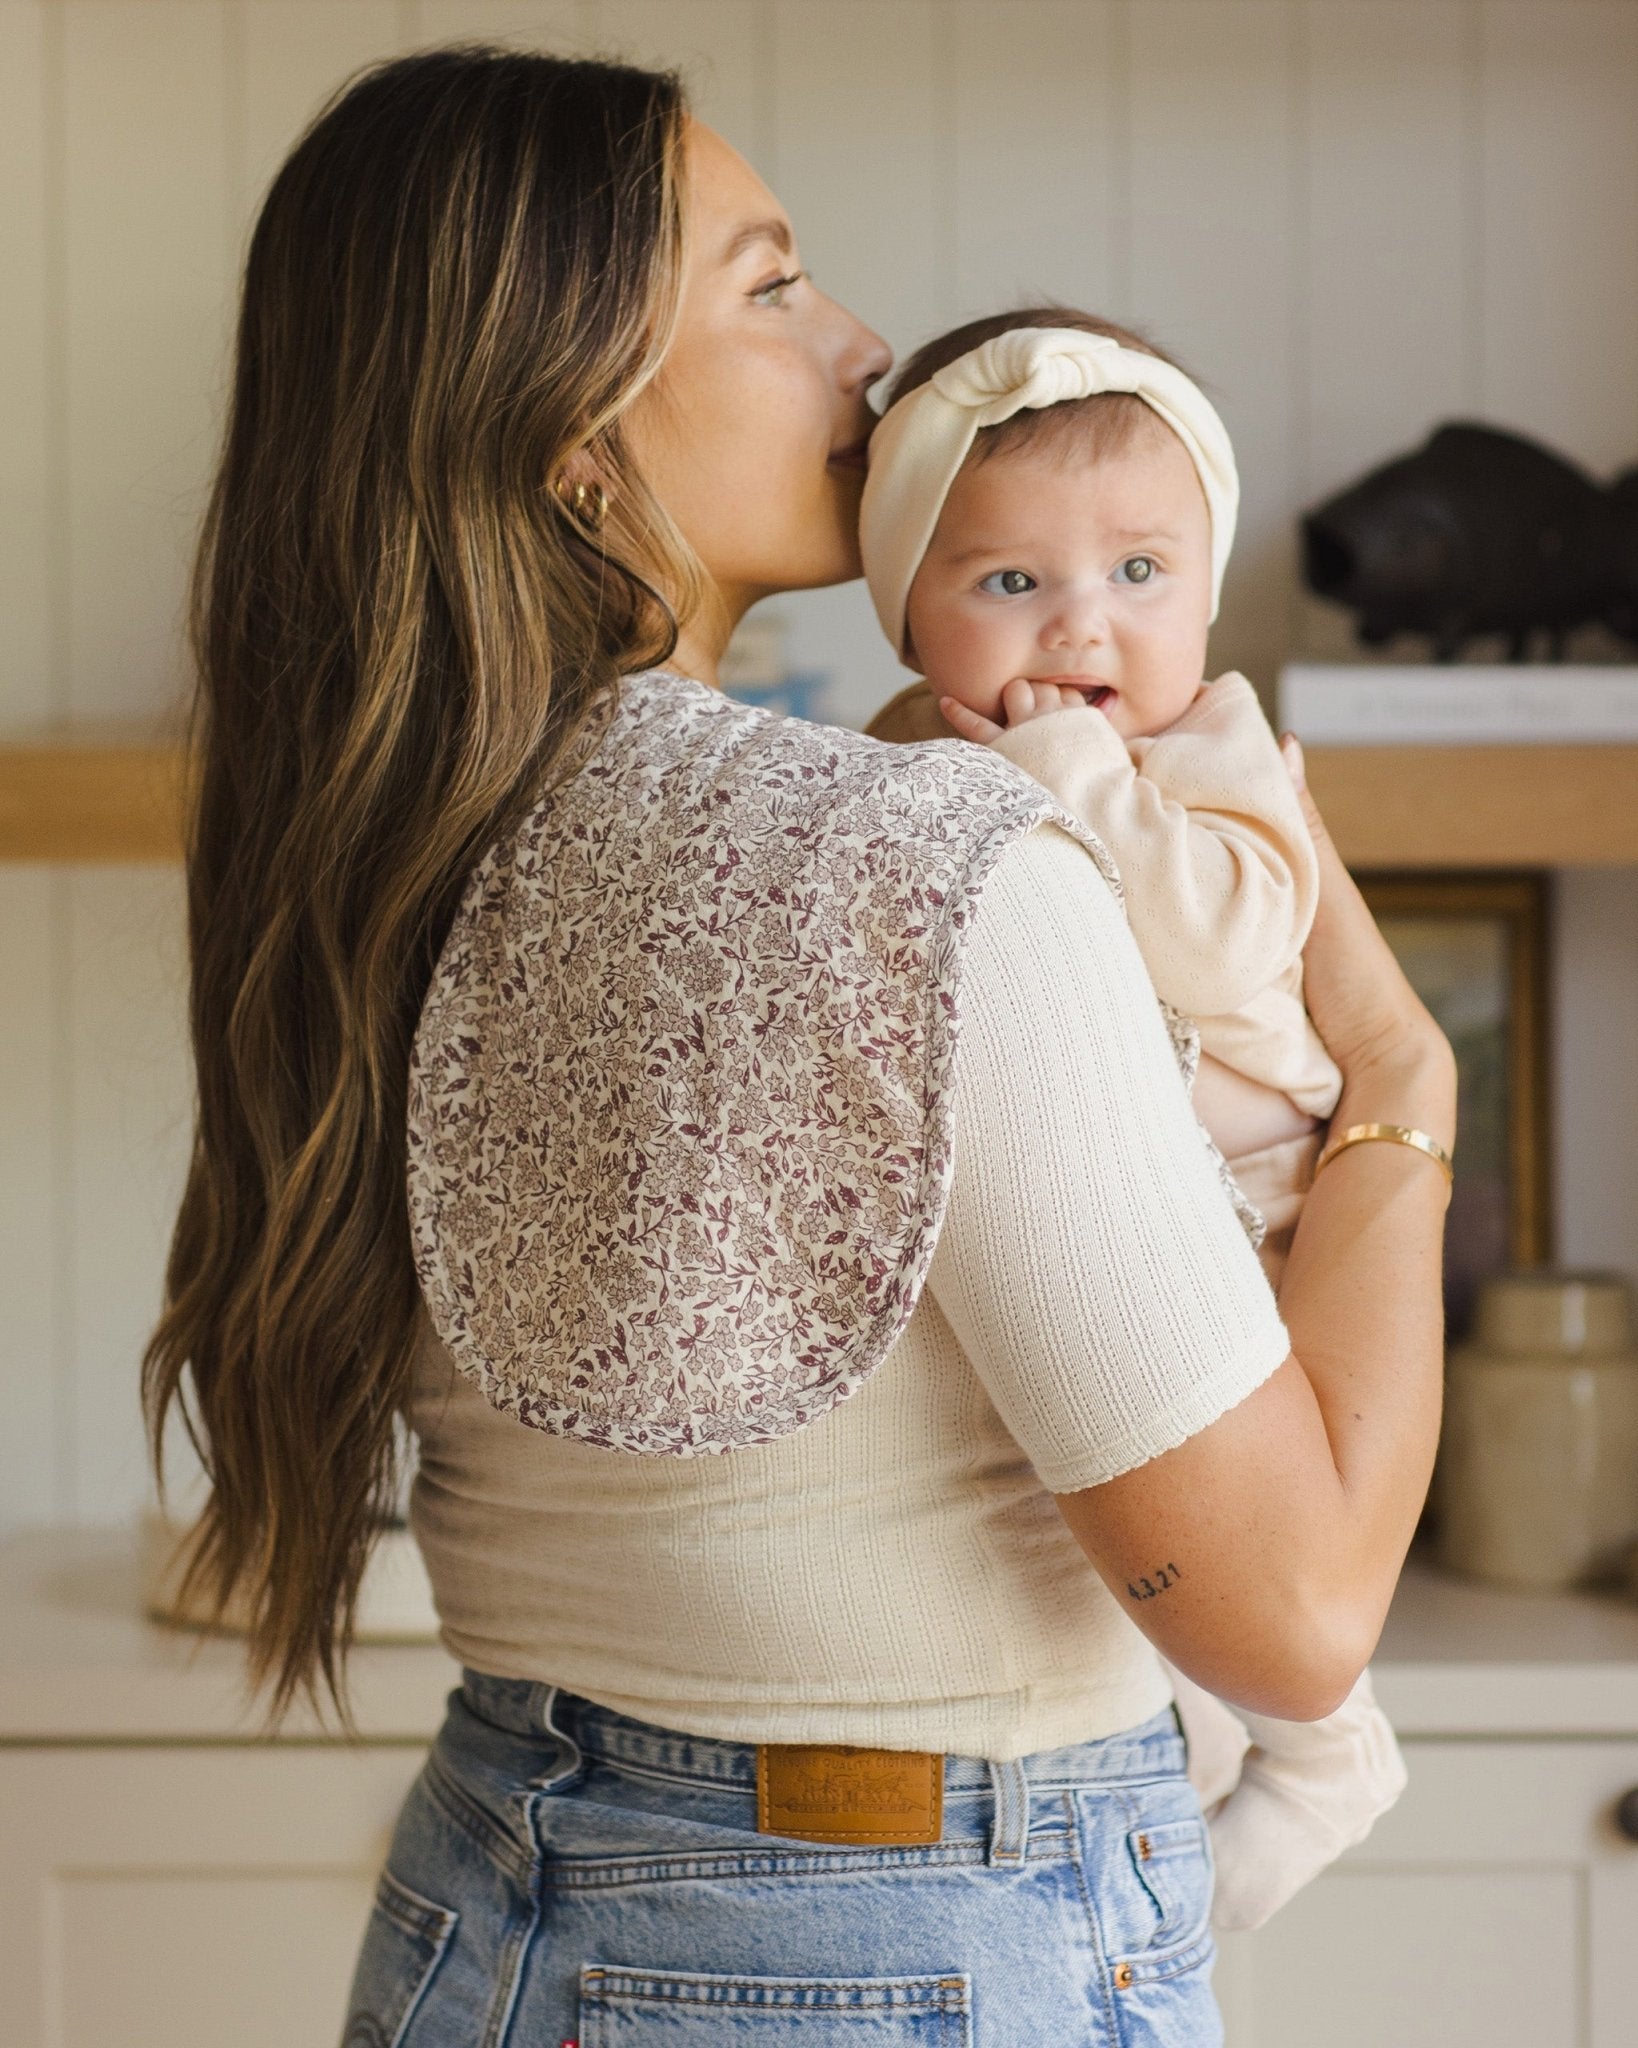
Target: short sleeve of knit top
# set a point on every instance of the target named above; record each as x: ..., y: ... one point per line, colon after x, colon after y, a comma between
x: 1090, y: 1263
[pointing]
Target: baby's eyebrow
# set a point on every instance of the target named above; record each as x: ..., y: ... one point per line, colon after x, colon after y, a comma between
x: 1126, y: 535
x: 984, y: 547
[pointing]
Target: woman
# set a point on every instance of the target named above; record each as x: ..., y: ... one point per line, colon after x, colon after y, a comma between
x: 856, y: 1724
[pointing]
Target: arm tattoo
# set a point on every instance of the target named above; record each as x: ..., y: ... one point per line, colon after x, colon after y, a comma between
x: 1146, y: 1589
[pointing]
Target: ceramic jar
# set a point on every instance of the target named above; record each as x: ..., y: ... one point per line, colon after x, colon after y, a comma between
x: 1539, y: 1455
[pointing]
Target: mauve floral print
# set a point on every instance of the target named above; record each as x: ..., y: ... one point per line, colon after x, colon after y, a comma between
x: 680, y: 1107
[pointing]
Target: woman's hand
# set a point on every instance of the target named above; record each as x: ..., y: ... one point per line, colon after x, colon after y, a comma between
x: 1363, y: 1007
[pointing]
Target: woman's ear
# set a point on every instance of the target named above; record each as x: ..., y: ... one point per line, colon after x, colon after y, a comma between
x: 579, y: 488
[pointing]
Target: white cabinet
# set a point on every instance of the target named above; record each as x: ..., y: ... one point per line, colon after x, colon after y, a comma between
x: 1495, y: 1907
x: 168, y: 1879
x: 208, y: 1896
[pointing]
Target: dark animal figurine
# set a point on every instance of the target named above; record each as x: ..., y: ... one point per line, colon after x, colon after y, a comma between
x: 1478, y: 532
x: 1622, y: 615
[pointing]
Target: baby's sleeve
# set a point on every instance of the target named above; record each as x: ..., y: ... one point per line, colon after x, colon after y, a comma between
x: 1090, y: 1264
x: 1220, y: 874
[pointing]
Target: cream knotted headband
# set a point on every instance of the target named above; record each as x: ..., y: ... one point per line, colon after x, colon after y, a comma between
x: 922, y: 441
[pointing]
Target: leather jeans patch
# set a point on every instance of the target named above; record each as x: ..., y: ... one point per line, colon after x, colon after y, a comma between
x: 866, y: 1797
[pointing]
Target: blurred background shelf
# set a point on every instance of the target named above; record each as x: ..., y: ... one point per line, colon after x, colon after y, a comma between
x: 104, y: 792
x: 1479, y: 807
x: 110, y: 794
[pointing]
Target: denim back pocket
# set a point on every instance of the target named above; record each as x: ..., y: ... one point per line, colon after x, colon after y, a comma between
x: 403, y: 1946
x: 634, y: 2008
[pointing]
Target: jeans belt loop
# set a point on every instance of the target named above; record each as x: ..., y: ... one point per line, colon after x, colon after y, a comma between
x: 546, y: 1706
x: 1009, y: 1829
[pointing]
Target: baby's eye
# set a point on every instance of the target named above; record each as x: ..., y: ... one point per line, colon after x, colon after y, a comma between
x: 1137, y: 568
x: 1008, y: 583
x: 773, y: 292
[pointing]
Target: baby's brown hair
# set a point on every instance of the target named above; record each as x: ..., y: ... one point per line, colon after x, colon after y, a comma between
x: 1087, y: 427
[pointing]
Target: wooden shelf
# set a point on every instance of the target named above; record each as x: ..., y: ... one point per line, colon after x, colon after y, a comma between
x: 91, y: 793
x: 112, y: 794
x: 1479, y: 807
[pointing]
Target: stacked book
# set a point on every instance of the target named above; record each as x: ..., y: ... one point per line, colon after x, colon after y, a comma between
x: 1466, y: 705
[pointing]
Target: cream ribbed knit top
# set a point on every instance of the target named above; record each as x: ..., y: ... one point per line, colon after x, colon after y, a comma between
x: 896, y: 1574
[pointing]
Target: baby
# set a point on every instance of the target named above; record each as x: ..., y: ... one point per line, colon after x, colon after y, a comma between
x: 1048, y: 513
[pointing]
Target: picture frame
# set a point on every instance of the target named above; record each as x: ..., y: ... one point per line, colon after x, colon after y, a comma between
x: 1475, y: 947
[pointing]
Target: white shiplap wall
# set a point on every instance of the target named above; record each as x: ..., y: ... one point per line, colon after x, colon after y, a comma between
x: 1352, y: 217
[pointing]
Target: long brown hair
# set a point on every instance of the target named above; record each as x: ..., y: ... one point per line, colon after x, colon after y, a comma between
x: 402, y: 621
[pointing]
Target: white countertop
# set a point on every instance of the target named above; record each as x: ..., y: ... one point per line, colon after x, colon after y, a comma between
x: 79, y: 1663
x: 1457, y: 1658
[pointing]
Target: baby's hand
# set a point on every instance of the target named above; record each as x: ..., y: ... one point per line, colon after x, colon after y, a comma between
x: 1021, y: 701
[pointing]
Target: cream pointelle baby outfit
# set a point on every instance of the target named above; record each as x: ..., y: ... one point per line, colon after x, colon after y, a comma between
x: 1220, y: 875
x: 1220, y: 881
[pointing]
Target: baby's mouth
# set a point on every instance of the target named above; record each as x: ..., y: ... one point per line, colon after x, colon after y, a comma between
x: 1096, y: 694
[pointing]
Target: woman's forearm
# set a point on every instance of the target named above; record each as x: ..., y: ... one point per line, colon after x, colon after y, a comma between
x: 1283, y: 1524
x: 1361, y: 1298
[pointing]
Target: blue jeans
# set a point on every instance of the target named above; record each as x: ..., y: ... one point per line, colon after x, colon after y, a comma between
x: 564, y: 1874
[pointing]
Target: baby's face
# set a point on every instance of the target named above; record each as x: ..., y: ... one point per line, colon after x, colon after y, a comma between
x: 1095, y: 575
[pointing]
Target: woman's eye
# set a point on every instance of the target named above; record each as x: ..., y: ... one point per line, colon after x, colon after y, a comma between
x: 773, y: 292
x: 1137, y: 569
x: 1008, y: 583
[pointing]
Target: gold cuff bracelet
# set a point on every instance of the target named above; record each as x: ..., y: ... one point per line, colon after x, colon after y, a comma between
x: 1393, y: 1134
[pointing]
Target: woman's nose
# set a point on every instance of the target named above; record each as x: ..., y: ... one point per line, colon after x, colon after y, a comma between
x: 861, y: 355
x: 876, y: 358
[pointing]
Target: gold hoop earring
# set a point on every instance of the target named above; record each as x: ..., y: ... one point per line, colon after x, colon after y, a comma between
x: 586, y: 504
